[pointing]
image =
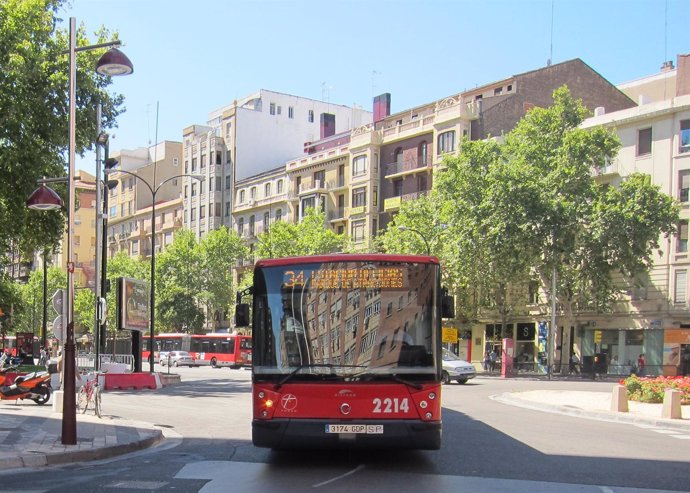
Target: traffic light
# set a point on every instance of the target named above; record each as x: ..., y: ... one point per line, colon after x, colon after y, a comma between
x: 111, y: 163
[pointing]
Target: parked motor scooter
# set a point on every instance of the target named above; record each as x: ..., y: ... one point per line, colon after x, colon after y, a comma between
x: 34, y: 386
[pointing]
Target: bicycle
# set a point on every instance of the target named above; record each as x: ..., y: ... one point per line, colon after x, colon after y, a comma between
x: 90, y: 392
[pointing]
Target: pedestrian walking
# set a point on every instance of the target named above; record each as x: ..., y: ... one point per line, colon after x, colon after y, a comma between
x: 492, y: 360
x: 487, y: 361
x: 574, y: 364
x: 640, y: 364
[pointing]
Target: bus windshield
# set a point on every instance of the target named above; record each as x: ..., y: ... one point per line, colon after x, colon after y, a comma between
x: 346, y: 320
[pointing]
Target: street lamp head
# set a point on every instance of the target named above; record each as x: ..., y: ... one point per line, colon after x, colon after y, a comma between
x: 44, y: 199
x: 113, y: 63
x: 198, y: 177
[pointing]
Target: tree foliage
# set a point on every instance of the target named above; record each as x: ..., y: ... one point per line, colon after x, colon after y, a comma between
x: 515, y: 208
x: 307, y: 237
x: 34, y: 114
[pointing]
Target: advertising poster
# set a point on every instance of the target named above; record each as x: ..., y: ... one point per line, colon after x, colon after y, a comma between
x: 133, y: 304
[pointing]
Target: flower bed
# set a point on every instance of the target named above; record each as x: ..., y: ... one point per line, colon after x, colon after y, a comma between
x: 652, y: 389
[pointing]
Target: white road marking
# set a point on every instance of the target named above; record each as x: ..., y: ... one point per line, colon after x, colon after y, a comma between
x: 337, y: 478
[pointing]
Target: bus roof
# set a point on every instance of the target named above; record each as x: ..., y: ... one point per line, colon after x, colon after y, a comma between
x: 347, y: 257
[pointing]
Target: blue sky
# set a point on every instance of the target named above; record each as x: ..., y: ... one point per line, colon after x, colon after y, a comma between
x: 191, y: 57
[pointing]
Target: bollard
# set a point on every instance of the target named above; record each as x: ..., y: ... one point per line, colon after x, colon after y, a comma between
x: 671, y: 408
x: 57, y: 401
x: 619, y: 400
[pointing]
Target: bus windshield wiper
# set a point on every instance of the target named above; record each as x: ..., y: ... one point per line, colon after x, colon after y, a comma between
x: 311, y: 365
x: 391, y: 376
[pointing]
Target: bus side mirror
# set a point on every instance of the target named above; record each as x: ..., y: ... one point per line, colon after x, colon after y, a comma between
x: 447, y: 305
x: 242, y: 315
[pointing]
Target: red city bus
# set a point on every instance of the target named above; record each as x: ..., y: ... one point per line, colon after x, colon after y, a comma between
x: 347, y: 351
x: 214, y: 349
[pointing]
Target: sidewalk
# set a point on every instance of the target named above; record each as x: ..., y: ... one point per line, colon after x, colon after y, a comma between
x: 593, y: 405
x: 30, y: 436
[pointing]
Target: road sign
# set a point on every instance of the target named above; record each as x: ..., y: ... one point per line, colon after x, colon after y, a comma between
x: 449, y: 334
x: 59, y: 327
x: 59, y: 301
x: 597, y: 336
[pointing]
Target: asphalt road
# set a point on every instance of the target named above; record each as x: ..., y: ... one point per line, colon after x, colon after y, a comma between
x: 487, y: 446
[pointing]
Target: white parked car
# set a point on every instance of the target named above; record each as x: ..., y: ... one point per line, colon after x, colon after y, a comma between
x: 176, y: 358
x: 456, y: 369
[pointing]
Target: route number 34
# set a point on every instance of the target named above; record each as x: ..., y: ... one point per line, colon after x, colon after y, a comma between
x: 388, y: 405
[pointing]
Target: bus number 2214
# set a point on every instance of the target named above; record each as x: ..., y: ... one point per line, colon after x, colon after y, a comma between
x: 388, y: 405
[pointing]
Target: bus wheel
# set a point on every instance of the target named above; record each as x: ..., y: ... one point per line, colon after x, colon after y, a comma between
x: 445, y: 377
x: 214, y: 363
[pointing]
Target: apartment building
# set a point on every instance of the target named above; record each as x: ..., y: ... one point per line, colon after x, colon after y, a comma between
x: 249, y: 137
x: 143, y: 170
x: 415, y: 141
x: 654, y: 318
x: 261, y: 200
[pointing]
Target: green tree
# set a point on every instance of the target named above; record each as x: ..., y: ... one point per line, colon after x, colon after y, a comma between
x: 307, y: 237
x: 34, y: 114
x: 28, y: 313
x: 179, y: 279
x: 219, y: 252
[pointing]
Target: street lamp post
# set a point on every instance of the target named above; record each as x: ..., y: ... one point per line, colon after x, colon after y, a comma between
x: 113, y: 62
x: 153, y: 191
x: 426, y: 242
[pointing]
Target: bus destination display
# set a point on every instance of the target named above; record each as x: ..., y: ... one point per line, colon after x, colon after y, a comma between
x: 325, y: 279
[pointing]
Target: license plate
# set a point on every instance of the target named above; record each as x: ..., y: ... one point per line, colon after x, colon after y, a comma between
x: 355, y: 429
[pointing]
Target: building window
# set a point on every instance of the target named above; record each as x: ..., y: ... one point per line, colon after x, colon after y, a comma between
x: 241, y: 197
x: 685, y: 136
x: 272, y: 108
x: 227, y: 209
x: 217, y: 211
x: 203, y: 161
x: 684, y: 180
x: 193, y: 165
x: 202, y: 212
x: 397, y: 187
x: 279, y: 214
x: 280, y: 186
x: 680, y: 287
x: 398, y: 155
x: 422, y: 154
x: 267, y: 190
x: 533, y: 293
x: 252, y: 193
x: 228, y: 182
x: 219, y: 157
x: 359, y: 197
x: 267, y: 221
x: 291, y: 112
x: 186, y: 191
x: 319, y: 178
x: 446, y: 142
x: 279, y: 109
x: 240, y: 226
x: 644, y: 141
x: 682, y: 237
x: 192, y: 216
x: 251, y: 225
x: 358, y: 231
x: 311, y: 116
x: 359, y: 165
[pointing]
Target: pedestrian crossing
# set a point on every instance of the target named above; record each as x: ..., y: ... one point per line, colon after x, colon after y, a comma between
x: 678, y: 434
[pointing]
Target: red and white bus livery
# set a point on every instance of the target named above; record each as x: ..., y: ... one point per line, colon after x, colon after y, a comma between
x: 216, y: 349
x: 346, y: 351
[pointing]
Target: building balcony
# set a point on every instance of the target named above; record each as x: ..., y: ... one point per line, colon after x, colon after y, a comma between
x: 334, y: 185
x: 453, y: 109
x: 338, y: 214
x: 610, y: 170
x: 409, y: 166
x: 306, y: 188
x: 393, y: 203
x: 365, y: 136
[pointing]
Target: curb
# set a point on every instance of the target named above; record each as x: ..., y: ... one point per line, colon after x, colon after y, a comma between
x: 508, y: 398
x: 39, y: 459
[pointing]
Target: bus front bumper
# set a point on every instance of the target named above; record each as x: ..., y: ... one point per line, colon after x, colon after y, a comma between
x: 312, y: 434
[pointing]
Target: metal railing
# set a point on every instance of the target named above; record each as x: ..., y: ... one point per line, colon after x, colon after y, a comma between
x: 87, y: 361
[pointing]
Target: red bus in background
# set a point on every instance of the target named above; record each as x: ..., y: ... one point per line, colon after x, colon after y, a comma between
x: 215, y: 349
x: 347, y: 351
